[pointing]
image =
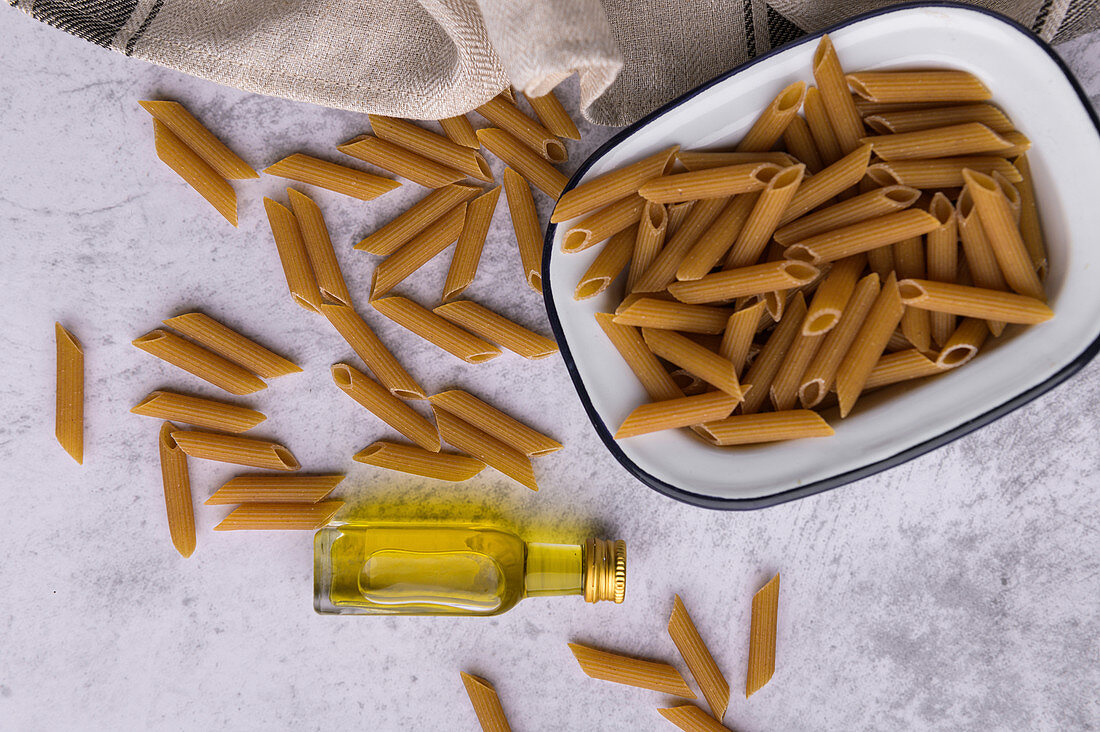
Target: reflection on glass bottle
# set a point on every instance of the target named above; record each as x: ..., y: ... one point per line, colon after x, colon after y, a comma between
x: 454, y: 569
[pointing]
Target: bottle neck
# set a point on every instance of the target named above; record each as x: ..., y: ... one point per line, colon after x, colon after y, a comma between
x: 554, y: 569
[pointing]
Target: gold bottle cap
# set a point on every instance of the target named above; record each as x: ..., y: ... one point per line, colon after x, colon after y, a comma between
x: 604, y: 570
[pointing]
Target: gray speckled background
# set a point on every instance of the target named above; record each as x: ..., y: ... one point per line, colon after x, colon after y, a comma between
x: 959, y: 591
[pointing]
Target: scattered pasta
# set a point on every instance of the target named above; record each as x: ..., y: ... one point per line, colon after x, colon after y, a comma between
x: 234, y: 449
x: 69, y: 417
x: 447, y: 466
x: 486, y: 704
x: 177, y: 491
x: 231, y: 345
x: 765, y: 612
x: 619, y: 669
x: 198, y: 411
x: 279, y: 516
x: 263, y: 488
x: 715, y: 688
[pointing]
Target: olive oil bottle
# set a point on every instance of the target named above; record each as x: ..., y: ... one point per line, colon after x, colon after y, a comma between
x: 386, y: 568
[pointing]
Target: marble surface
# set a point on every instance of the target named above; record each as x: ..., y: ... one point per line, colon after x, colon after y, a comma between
x: 959, y: 591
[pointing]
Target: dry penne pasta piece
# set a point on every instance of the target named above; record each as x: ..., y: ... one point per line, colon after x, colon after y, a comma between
x: 227, y: 342
x: 496, y: 423
x: 606, y: 222
x: 841, y: 110
x: 738, y: 335
x: 1003, y: 235
x: 673, y: 413
x: 694, y: 358
x: 318, y: 244
x: 837, y: 178
x: 817, y: 119
x: 384, y: 405
x: 525, y: 223
x: 832, y: 295
x: 785, y: 384
x: 636, y: 296
x: 716, y: 241
x: 1011, y: 193
x: 765, y: 614
x: 467, y: 254
x: 905, y: 365
x: 200, y: 362
x: 198, y: 411
x: 648, y: 240
x: 668, y: 315
x: 177, y: 491
x: 707, y: 159
x: 389, y: 238
x: 486, y: 704
x: 263, y: 488
x: 498, y: 455
x: 370, y: 349
x: 628, y: 342
x: 869, y: 344
x: 610, y: 187
x: 198, y: 174
x: 608, y: 264
x: 69, y: 415
x: 762, y: 222
x: 868, y: 205
x: 800, y: 141
x: 942, y: 252
x: 437, y: 330
x: 1030, y: 226
x: 862, y: 236
x: 938, y: 172
x: 916, y: 324
x: 979, y: 258
x: 767, y: 363
x: 974, y: 302
x: 677, y: 214
x: 331, y: 176
x: 460, y: 131
x: 715, y: 688
x: 429, y: 145
x: 771, y: 123
x: 710, y: 183
x: 963, y: 344
x: 505, y: 115
x: 691, y: 718
x: 483, y: 322
x: 235, y: 449
x: 918, y: 86
x: 911, y: 120
x: 417, y: 252
x: 969, y: 138
x: 748, y: 429
x: 279, y: 516
x: 663, y: 269
x: 300, y: 279
x: 400, y: 161
x: 820, y: 375
x: 202, y: 141
x: 867, y: 107
x: 756, y: 279
x: 552, y: 115
x: 447, y: 466
x: 651, y: 675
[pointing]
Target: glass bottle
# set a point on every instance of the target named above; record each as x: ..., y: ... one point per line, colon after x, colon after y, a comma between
x: 454, y: 569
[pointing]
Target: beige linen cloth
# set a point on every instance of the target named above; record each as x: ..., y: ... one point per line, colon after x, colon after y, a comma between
x: 428, y: 59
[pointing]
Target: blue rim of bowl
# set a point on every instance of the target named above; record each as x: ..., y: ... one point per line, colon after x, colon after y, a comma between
x: 802, y: 491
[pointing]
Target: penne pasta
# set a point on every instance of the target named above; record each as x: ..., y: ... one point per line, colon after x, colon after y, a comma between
x: 785, y: 384
x: 505, y: 115
x: 694, y: 358
x: 978, y: 254
x: 665, y: 265
x: 748, y: 429
x: 300, y: 279
x: 449, y: 155
x: 399, y: 161
x: 524, y: 161
x: 881, y: 261
x: 765, y: 613
x: 709, y: 183
x: 963, y: 344
x: 773, y: 121
x: 610, y: 187
x: 869, y: 344
x: 969, y: 138
x: 525, y: 223
x: 381, y: 403
x: 817, y: 119
x: 427, y: 210
x: 677, y: 214
x: 279, y: 516
x: 938, y: 173
x: 460, y: 131
x: 648, y: 239
x: 942, y: 249
x: 495, y: 423
x: 762, y: 222
x: 619, y: 669
x: 485, y: 447
x: 911, y: 120
x: 868, y: 205
x: 691, y: 718
x: 197, y: 411
x: 706, y: 159
x: 318, y: 245
x: 916, y: 324
x: 906, y: 365
x: 716, y: 241
x: 188, y: 165
x: 862, y: 236
x: 467, y: 254
x: 667, y: 315
x: 756, y: 279
x: 833, y: 180
x: 370, y: 349
x: 715, y: 688
x: 636, y: 296
x: 200, y: 362
x: 673, y: 413
x: 914, y: 87
x: 605, y: 223
x: 628, y: 342
x: 866, y: 107
x: 234, y: 449
x: 800, y: 141
x: 486, y: 704
x: 446, y: 466
x: 230, y: 344
x: 771, y: 356
x: 553, y: 116
x: 264, y: 488
x: 839, y: 107
x: 737, y: 338
x: 1004, y: 236
x: 973, y: 302
x: 417, y: 252
x: 1030, y: 227
x: 69, y: 415
x: 199, y: 139
x: 608, y: 264
x: 177, y: 492
x: 483, y: 322
x: 832, y: 295
x: 436, y: 330
x: 330, y: 176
